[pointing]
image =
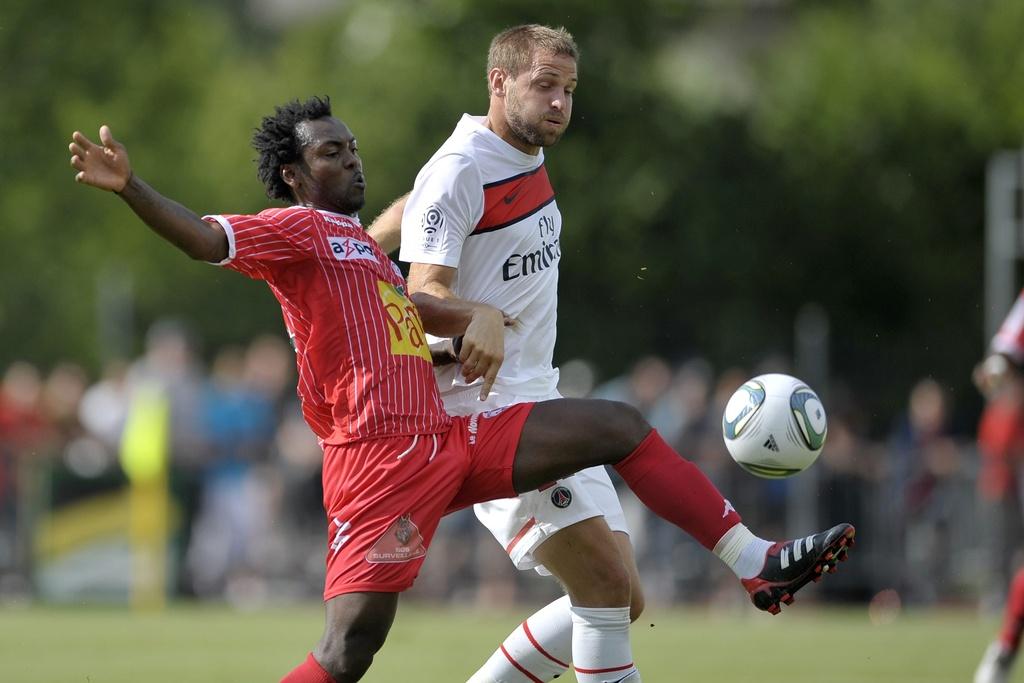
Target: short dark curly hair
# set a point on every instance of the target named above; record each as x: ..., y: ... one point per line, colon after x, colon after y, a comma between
x: 277, y: 144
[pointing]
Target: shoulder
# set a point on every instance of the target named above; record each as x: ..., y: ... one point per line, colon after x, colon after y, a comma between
x: 452, y: 180
x: 456, y: 165
x: 287, y: 214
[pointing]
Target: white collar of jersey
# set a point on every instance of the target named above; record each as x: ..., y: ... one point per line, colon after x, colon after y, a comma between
x: 351, y: 217
x: 476, y: 123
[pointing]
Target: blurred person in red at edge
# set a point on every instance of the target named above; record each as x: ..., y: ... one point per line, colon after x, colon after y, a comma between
x: 1001, y: 445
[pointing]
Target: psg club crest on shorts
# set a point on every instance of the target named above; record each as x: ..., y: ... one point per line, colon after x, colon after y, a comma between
x: 561, y: 497
x: 402, y: 542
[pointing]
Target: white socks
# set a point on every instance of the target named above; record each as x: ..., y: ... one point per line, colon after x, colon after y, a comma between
x: 742, y: 551
x: 594, y: 639
x: 539, y: 649
x: 600, y: 645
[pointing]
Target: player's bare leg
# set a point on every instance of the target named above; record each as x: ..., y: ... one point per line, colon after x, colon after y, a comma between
x: 598, y: 575
x: 357, y: 625
x: 542, y: 646
x: 571, y: 434
x: 587, y: 560
x: 637, y: 601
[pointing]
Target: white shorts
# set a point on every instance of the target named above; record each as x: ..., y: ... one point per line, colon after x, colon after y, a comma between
x: 521, y: 524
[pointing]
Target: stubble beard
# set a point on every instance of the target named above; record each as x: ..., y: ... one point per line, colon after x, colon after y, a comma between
x: 527, y: 133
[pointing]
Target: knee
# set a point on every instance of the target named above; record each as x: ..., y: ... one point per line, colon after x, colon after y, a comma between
x: 636, y: 602
x: 346, y: 654
x: 625, y: 423
x: 607, y: 585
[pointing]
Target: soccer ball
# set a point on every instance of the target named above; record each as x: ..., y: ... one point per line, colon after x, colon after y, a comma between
x: 774, y: 426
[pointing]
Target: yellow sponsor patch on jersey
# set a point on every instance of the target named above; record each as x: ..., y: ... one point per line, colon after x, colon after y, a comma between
x: 404, y: 325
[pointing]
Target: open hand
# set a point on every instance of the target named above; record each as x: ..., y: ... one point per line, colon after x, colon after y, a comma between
x: 104, y: 166
x: 483, y: 347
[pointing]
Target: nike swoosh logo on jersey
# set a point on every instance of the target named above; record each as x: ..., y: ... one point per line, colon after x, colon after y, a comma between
x: 511, y: 197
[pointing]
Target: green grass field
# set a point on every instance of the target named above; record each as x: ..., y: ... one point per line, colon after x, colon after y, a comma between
x: 433, y: 645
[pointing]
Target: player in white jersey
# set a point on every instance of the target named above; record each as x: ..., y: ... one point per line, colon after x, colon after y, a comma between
x: 482, y: 230
x: 482, y: 225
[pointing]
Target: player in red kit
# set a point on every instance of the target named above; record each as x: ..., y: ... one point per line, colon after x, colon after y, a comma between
x: 1001, y: 445
x: 394, y: 462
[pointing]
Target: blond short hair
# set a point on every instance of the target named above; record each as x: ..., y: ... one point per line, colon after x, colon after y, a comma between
x: 513, y: 49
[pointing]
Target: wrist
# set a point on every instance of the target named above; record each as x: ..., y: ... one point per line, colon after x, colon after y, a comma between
x: 483, y: 311
x: 131, y: 177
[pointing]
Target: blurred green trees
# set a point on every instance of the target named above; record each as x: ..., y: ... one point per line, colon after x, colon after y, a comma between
x: 726, y: 165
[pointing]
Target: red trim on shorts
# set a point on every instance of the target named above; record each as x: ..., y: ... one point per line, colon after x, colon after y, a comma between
x: 526, y: 630
x: 604, y: 671
x: 517, y: 665
x: 522, y: 532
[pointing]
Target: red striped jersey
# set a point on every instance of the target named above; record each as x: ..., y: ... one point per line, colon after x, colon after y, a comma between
x: 1009, y: 340
x: 364, y: 365
x: 488, y: 209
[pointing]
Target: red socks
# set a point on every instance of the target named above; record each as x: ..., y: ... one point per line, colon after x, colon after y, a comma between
x: 1013, y: 620
x: 675, y: 490
x: 309, y: 671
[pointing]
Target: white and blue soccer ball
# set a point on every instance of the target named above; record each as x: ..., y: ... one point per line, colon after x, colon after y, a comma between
x: 774, y: 426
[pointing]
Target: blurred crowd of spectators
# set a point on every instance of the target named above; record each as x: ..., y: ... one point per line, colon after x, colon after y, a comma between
x: 244, y: 470
x: 248, y: 523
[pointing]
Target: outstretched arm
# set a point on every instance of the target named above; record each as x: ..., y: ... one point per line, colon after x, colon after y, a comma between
x: 106, y: 167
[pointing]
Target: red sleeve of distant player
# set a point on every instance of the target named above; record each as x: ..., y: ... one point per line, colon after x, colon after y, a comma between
x: 1000, y: 442
x: 259, y: 244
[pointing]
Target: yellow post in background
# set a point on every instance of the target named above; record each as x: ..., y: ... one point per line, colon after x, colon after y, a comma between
x: 144, y: 458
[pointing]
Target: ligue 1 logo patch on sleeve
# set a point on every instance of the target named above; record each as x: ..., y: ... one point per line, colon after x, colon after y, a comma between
x: 433, y: 223
x: 561, y: 497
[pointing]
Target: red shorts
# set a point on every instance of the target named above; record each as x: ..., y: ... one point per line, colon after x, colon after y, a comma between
x: 385, y: 497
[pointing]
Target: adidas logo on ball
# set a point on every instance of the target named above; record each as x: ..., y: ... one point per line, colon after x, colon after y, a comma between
x: 774, y: 426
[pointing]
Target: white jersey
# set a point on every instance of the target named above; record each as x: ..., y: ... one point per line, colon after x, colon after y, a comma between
x: 482, y: 206
x: 1009, y: 340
